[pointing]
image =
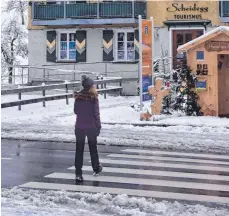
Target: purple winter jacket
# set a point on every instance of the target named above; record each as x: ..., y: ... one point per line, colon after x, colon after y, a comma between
x: 86, y: 108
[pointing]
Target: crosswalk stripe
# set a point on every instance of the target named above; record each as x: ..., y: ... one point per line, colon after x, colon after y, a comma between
x: 158, y: 173
x: 131, y: 192
x: 152, y: 182
x: 4, y: 158
x: 168, y: 165
x: 167, y: 159
x: 153, y: 152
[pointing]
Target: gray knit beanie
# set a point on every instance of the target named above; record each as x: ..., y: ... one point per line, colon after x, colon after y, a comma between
x: 87, y: 82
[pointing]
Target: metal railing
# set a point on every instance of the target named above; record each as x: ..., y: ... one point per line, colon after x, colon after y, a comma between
x: 22, y: 75
x: 98, y: 10
x: 27, y: 75
x: 107, y: 69
x: 64, y: 86
x: 224, y: 8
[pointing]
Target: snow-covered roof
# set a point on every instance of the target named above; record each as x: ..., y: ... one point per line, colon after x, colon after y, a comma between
x: 201, y: 38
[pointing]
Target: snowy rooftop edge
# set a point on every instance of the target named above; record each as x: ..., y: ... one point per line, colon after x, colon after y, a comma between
x: 220, y: 28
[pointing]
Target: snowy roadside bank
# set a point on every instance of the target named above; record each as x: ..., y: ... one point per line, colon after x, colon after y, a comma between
x: 18, y: 202
x: 114, y: 110
x: 56, y: 123
x: 199, y: 139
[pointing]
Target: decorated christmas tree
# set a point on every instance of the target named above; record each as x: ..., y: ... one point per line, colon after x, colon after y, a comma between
x: 183, y: 96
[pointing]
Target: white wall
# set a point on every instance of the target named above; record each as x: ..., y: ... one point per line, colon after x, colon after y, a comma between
x: 37, y: 57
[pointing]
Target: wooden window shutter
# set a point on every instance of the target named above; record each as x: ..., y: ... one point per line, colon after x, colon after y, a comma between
x: 81, y: 37
x: 108, y: 45
x: 51, y: 46
x: 136, y: 43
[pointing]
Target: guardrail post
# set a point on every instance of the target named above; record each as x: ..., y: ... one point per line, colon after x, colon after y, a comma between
x: 106, y: 69
x: 22, y: 77
x: 48, y: 76
x: 28, y: 74
x: 66, y: 87
x: 44, y: 75
x: 97, y: 78
x: 101, y: 78
x: 19, y: 98
x: 104, y: 86
x: 43, y: 93
x: 120, y: 84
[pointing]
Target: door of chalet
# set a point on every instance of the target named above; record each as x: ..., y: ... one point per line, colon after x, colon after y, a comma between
x: 181, y: 37
x: 223, y: 84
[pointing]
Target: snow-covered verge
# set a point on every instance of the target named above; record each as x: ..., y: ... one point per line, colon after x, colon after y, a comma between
x: 18, y: 202
x: 115, y: 110
x: 56, y: 123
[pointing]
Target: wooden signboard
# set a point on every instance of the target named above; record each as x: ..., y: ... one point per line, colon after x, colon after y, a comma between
x: 218, y: 46
x: 159, y: 91
x: 146, y: 58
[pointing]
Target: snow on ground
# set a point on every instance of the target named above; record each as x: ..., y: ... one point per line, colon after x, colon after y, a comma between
x: 113, y: 110
x: 197, y: 121
x: 56, y: 123
x: 18, y: 202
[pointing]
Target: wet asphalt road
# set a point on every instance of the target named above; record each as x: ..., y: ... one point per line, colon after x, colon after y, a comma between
x: 182, y: 175
x: 33, y: 160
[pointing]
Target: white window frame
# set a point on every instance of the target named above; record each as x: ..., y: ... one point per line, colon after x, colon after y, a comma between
x: 125, y: 44
x: 59, y: 46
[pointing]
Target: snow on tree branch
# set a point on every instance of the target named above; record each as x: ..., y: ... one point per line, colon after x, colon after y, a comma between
x: 13, y: 45
x: 17, y: 6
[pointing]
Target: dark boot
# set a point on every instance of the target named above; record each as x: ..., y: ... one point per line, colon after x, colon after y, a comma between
x: 98, y: 170
x: 79, y: 178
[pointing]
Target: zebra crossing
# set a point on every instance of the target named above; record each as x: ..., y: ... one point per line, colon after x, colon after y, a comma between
x: 158, y: 174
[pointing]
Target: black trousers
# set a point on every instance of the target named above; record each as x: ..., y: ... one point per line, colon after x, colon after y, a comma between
x: 91, y: 135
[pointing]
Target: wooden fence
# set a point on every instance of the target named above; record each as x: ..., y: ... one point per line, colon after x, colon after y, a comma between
x: 66, y: 86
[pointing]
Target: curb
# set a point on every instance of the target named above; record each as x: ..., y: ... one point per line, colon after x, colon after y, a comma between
x: 137, y: 124
x: 37, y: 140
x: 160, y: 125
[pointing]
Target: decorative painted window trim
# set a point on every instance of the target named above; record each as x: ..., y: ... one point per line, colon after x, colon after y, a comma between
x: 115, y: 50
